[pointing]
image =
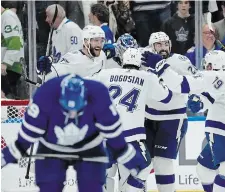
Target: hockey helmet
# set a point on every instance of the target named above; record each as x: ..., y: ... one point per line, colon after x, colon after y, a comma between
x: 124, y: 42
x: 73, y: 96
x: 132, y: 57
x: 158, y: 37
x: 214, y: 60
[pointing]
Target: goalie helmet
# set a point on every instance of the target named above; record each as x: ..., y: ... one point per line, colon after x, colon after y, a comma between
x: 91, y: 31
x: 132, y: 57
x: 158, y: 37
x: 124, y: 42
x: 214, y: 60
x: 73, y: 96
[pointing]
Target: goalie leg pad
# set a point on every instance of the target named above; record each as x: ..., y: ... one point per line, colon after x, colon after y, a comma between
x: 110, y: 178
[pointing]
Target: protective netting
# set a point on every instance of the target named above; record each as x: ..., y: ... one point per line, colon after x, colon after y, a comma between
x: 12, y: 111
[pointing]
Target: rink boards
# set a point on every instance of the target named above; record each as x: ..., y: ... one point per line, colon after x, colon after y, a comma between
x: 186, y: 178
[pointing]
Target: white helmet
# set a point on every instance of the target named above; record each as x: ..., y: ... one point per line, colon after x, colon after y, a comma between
x: 91, y: 31
x: 132, y: 56
x: 158, y: 37
x: 214, y: 60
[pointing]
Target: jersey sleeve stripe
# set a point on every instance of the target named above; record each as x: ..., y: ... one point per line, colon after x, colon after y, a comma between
x: 27, y: 137
x: 185, y: 88
x: 32, y: 128
x: 108, y: 128
x: 168, y: 98
x: 161, y: 71
x: 116, y: 133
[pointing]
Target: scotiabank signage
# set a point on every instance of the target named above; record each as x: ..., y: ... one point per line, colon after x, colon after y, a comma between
x: 186, y: 177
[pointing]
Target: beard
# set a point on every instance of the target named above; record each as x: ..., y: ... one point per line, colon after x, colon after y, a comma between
x: 164, y: 53
x: 95, y: 52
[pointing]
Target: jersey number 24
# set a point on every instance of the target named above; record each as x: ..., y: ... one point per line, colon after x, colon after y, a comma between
x: 129, y: 99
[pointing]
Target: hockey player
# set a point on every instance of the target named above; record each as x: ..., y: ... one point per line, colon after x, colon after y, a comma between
x: 66, y: 36
x: 213, y: 156
x: 69, y: 117
x: 131, y: 89
x: 166, y: 124
x: 124, y: 42
x: 85, y: 62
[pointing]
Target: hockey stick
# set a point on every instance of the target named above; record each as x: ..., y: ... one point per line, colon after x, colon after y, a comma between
x: 69, y: 157
x: 209, y: 22
x: 24, y: 74
x: 43, y: 80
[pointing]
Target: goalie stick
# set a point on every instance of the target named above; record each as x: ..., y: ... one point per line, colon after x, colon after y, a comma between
x: 43, y: 80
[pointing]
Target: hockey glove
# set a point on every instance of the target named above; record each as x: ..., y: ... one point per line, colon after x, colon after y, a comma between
x: 195, y: 103
x: 131, y: 160
x: 150, y: 59
x: 109, y: 50
x: 44, y: 64
x: 10, y: 154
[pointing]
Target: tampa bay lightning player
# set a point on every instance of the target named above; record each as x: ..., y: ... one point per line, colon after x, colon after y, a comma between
x: 69, y: 115
x: 211, y: 167
x: 166, y: 124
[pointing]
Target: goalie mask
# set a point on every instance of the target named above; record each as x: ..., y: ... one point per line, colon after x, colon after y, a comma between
x: 160, y: 43
x: 73, y: 96
x: 214, y: 60
x: 124, y: 42
x: 93, y: 40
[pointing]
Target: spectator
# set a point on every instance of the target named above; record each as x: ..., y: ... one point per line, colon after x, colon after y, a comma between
x: 209, y: 44
x: 123, y: 17
x: 99, y: 16
x: 67, y: 35
x: 181, y: 28
x: 149, y: 17
x: 220, y: 25
x: 12, y: 50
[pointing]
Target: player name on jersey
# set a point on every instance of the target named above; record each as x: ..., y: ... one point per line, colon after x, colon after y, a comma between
x: 127, y: 78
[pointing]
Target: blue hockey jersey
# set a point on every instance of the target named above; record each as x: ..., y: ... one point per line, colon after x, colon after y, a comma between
x: 99, y: 120
x: 191, y: 53
x: 108, y: 33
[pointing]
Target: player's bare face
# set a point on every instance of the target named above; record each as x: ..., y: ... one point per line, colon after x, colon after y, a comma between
x: 96, y: 45
x: 163, y: 48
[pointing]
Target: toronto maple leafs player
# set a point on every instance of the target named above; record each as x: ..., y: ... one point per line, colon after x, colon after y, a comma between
x: 166, y: 120
x: 85, y: 62
x: 71, y: 116
x: 130, y: 90
x: 211, y: 167
x: 124, y: 42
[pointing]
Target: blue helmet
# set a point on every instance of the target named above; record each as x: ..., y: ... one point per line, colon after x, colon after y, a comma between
x: 124, y: 42
x: 73, y: 95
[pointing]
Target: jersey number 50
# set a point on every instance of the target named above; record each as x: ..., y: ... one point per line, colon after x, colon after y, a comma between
x: 129, y: 100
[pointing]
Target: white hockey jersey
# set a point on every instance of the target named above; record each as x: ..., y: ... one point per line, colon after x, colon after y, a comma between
x: 67, y: 37
x: 77, y: 62
x: 207, y: 81
x: 176, y: 108
x: 131, y: 89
